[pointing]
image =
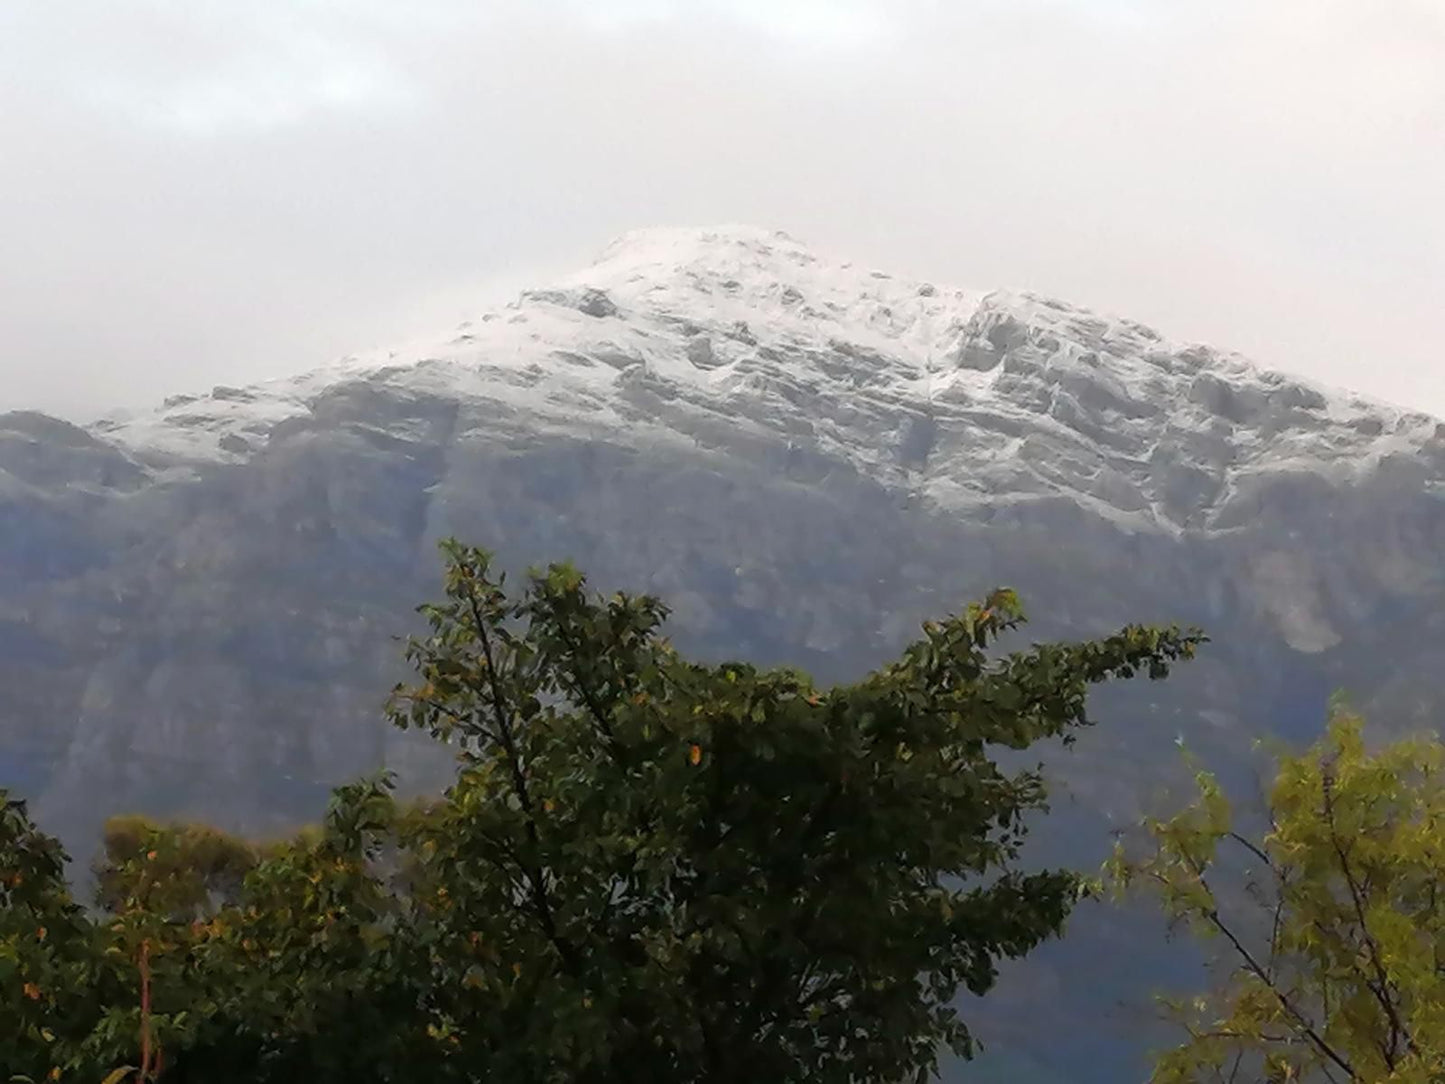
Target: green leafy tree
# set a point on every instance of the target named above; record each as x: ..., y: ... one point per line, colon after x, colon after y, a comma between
x: 1332, y: 924
x: 320, y: 970
x: 47, y: 951
x: 182, y: 871
x: 647, y: 869
x: 158, y: 886
x: 652, y: 869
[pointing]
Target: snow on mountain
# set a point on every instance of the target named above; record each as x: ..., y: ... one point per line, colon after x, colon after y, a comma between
x: 803, y: 458
x: 739, y: 337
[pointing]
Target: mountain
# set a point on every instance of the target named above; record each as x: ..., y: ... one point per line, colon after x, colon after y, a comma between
x: 805, y: 457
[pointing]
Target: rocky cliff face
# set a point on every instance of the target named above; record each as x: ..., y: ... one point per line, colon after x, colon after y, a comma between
x: 804, y: 457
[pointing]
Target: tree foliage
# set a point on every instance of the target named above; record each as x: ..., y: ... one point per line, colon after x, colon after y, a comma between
x: 646, y: 869
x: 46, y: 950
x: 1332, y: 924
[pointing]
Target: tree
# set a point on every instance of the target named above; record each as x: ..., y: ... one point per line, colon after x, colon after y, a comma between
x: 647, y: 869
x: 159, y: 886
x: 46, y: 951
x: 322, y: 968
x: 651, y: 869
x: 1332, y: 923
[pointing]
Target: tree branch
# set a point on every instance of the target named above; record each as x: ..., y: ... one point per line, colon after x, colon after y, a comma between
x: 1382, y: 985
x: 588, y: 696
x: 1252, y: 847
x: 540, y: 901
x: 1300, y: 1019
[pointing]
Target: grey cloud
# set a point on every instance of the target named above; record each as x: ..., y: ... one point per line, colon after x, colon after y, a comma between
x: 203, y: 192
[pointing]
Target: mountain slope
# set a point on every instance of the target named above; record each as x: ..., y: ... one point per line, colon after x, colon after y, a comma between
x: 804, y: 457
x: 958, y: 397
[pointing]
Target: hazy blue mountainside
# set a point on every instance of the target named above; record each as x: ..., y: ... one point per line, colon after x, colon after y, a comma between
x: 198, y: 604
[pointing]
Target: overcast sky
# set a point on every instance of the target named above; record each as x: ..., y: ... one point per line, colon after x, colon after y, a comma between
x: 203, y: 191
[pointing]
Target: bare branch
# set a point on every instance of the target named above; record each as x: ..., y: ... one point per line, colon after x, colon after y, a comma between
x: 1253, y: 848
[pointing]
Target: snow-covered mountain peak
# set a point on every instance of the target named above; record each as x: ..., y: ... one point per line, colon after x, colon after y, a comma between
x: 771, y: 281
x: 739, y: 340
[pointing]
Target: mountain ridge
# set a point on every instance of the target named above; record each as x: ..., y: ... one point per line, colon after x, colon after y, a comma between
x: 746, y: 327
